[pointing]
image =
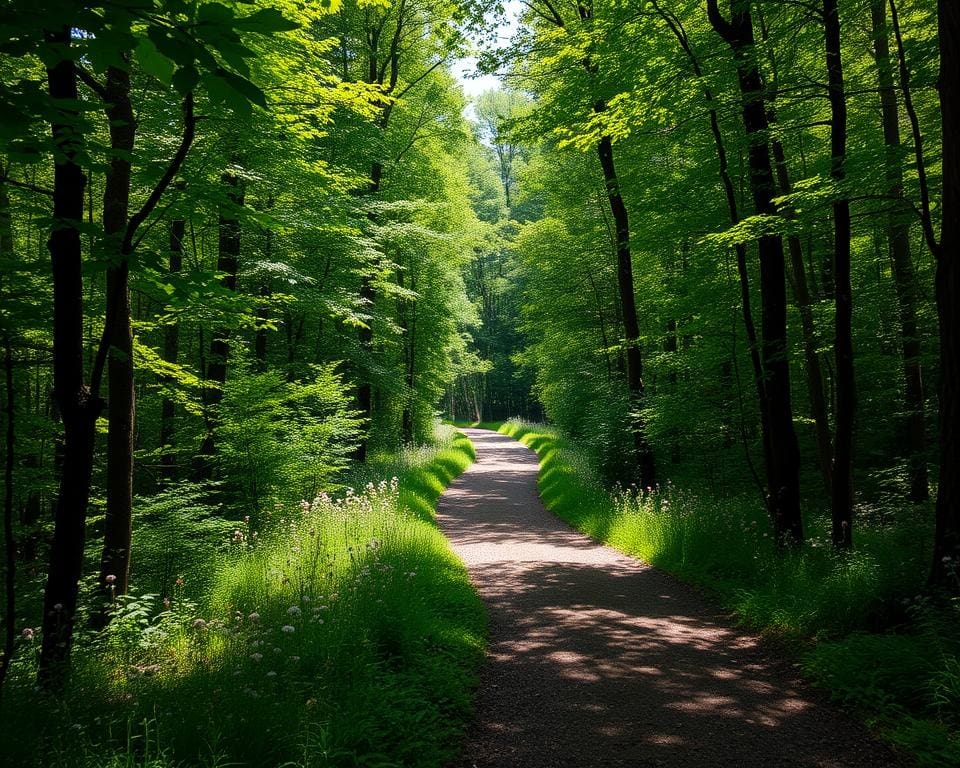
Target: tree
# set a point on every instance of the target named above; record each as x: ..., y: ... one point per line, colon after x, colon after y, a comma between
x: 946, y: 549
x: 783, y: 481
x: 842, y: 496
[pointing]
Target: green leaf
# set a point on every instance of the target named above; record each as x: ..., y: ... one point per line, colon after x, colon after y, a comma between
x: 185, y: 79
x: 244, y: 87
x: 266, y: 21
x: 215, y: 13
x: 236, y: 92
x: 153, y: 62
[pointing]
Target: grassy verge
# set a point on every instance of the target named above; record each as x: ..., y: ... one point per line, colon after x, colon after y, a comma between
x: 491, y: 425
x: 345, y: 634
x: 858, y: 622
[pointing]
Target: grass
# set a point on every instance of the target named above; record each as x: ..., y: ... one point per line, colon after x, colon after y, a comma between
x: 344, y: 634
x: 859, y: 623
x: 491, y: 425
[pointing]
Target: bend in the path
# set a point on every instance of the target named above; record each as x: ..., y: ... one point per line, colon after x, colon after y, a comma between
x: 596, y: 659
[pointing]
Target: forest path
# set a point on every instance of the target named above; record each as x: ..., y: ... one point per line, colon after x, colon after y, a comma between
x: 596, y: 659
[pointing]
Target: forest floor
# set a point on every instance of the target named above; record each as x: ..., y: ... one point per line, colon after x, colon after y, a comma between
x: 597, y: 659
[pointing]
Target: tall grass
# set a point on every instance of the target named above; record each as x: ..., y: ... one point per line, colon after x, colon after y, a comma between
x: 858, y: 621
x: 344, y: 634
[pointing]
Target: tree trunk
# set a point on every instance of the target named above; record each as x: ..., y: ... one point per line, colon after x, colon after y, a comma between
x: 9, y: 543
x: 946, y: 551
x: 784, y: 471
x: 228, y: 262
x: 801, y: 295
x: 743, y: 274
x: 171, y: 351
x: 260, y: 340
x: 408, y: 332
x: 263, y: 311
x: 368, y: 298
x: 643, y: 453
x: 904, y: 279
x: 842, y: 496
x: 78, y: 406
x: 117, y: 526
x: 804, y: 303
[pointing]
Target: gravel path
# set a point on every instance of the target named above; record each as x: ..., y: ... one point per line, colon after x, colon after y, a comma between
x: 596, y: 659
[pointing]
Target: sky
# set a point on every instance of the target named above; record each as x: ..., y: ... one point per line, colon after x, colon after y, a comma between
x: 463, y: 68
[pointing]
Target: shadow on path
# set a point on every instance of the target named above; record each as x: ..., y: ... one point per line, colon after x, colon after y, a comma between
x: 596, y: 659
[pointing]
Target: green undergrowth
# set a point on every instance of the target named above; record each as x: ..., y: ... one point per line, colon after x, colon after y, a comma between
x: 346, y: 633
x: 491, y: 425
x: 858, y: 622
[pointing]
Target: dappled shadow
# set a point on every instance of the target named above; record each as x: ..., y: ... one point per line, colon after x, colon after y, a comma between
x: 596, y: 659
x: 496, y: 506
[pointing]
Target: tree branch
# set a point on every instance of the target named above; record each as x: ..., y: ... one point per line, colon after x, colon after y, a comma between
x: 92, y: 83
x: 925, y: 218
x: 720, y: 25
x: 126, y: 247
x: 24, y: 185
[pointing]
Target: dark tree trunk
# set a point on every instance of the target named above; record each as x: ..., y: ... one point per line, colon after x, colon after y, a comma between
x: 898, y: 235
x: 78, y: 406
x: 783, y: 473
x: 117, y: 525
x: 171, y: 351
x: 408, y: 332
x: 9, y: 543
x: 946, y: 551
x: 797, y: 277
x: 811, y: 357
x: 263, y: 311
x: 643, y: 453
x: 842, y: 496
x: 228, y: 262
x: 743, y: 274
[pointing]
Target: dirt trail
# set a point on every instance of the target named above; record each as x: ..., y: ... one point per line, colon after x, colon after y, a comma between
x: 596, y: 659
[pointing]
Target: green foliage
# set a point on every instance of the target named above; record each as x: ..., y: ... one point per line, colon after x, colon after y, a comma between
x: 820, y: 603
x: 346, y: 635
x: 180, y: 534
x: 905, y: 683
x: 280, y: 437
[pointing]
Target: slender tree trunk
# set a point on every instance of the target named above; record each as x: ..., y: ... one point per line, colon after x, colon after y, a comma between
x: 79, y: 408
x: 946, y: 552
x: 797, y: 277
x: 804, y: 303
x: 643, y: 452
x: 904, y: 278
x: 407, y: 331
x: 368, y: 299
x: 9, y: 543
x: 784, y: 471
x: 263, y: 311
x: 743, y: 274
x: 228, y: 262
x: 171, y: 351
x: 842, y: 497
x: 117, y: 526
